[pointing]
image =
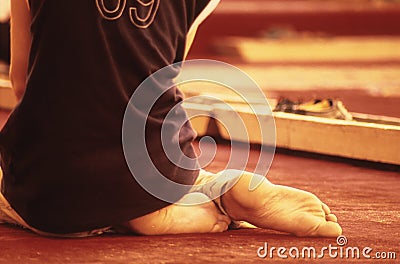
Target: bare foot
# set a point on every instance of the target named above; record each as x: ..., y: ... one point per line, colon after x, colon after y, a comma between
x: 194, y: 214
x: 280, y: 208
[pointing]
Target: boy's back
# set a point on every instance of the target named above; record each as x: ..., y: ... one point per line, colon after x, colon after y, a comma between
x: 64, y: 138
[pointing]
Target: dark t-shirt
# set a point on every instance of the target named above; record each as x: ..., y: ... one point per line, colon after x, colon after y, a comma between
x: 61, y: 149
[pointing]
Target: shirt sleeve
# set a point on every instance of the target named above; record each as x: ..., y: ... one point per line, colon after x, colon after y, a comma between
x: 202, y: 9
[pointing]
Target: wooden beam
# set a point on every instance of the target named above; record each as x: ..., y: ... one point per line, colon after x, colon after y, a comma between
x: 7, y: 97
x: 372, y: 141
x: 316, y: 49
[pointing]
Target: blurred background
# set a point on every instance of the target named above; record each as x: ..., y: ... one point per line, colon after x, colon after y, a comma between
x: 306, y: 49
x: 4, y: 31
x: 299, y: 49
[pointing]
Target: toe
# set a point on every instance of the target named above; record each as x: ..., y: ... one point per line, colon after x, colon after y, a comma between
x: 220, y: 226
x: 328, y: 229
x: 326, y: 209
x: 331, y: 217
x: 224, y: 218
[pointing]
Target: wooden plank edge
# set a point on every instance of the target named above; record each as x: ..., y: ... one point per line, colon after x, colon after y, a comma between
x: 350, y: 139
x: 7, y: 97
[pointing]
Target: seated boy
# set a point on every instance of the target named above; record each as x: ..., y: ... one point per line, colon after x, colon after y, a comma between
x: 74, y: 66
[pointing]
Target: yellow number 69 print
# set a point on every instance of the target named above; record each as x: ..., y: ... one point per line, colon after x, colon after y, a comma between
x: 141, y: 12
